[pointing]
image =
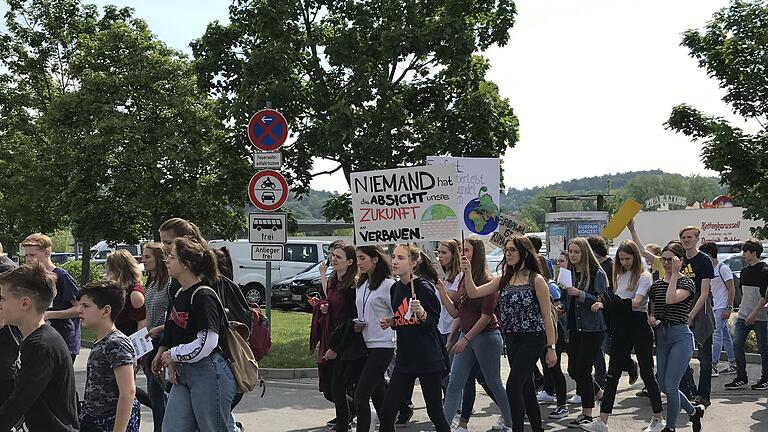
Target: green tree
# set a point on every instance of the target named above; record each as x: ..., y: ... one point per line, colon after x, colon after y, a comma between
x: 366, y: 84
x: 733, y: 49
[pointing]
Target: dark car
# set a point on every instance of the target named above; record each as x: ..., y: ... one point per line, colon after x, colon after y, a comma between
x: 59, y: 258
x: 294, y: 291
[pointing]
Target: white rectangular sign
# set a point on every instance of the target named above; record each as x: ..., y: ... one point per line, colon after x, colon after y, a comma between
x: 478, y: 180
x: 262, y: 160
x: 267, y: 228
x: 267, y: 252
x: 405, y: 205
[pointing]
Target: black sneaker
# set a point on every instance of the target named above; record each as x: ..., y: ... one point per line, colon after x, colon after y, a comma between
x: 240, y: 426
x: 696, y: 418
x: 701, y: 400
x: 580, y: 421
x: 737, y: 383
x: 760, y: 385
x: 404, y: 416
x: 331, y: 422
x: 643, y: 392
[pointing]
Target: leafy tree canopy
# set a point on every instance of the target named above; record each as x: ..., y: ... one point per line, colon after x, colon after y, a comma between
x: 733, y: 49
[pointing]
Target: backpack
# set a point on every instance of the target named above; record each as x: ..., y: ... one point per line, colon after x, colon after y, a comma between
x: 244, y: 366
x: 553, y: 312
x: 260, y: 339
x: 234, y: 303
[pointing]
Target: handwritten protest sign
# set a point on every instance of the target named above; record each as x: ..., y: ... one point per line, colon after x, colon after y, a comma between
x: 478, y: 183
x: 405, y: 205
x: 508, y: 226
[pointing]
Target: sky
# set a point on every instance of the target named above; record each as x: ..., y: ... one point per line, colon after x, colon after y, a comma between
x: 591, y: 82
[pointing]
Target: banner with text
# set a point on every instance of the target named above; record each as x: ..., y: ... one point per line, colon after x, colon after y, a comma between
x: 478, y: 181
x: 508, y: 226
x: 405, y: 205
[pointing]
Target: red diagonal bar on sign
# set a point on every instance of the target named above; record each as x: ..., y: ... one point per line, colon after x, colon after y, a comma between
x: 267, y: 129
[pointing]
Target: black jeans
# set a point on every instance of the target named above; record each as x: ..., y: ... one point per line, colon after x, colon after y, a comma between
x: 687, y: 385
x: 554, y: 380
x: 399, y: 386
x: 371, y: 385
x: 637, y: 335
x: 523, y: 350
x: 6, y: 388
x: 582, y: 349
x: 345, y: 374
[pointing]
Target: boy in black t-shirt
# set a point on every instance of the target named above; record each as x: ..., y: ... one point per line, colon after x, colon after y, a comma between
x: 701, y: 319
x: 9, y: 342
x: 44, y: 393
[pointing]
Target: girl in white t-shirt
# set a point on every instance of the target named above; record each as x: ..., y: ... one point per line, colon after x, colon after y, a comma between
x: 629, y: 329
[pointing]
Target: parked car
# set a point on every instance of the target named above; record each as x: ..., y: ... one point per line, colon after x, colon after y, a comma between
x: 736, y: 264
x: 100, y: 251
x: 494, y: 258
x: 295, y: 290
x: 298, y: 257
x: 59, y: 258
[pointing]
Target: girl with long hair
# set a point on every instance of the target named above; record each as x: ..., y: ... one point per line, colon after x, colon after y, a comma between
x: 156, y: 302
x: 585, y: 326
x: 203, y: 384
x: 122, y: 268
x: 629, y: 330
x: 372, y: 301
x: 448, y: 254
x: 479, y: 341
x: 346, y: 351
x: 671, y: 300
x: 526, y: 321
x: 420, y: 352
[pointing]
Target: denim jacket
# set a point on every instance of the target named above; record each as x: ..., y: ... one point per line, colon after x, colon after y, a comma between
x: 586, y: 320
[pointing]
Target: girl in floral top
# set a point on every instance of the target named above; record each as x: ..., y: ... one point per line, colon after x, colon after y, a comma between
x: 526, y: 321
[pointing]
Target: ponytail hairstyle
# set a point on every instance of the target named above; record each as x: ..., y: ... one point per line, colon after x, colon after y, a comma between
x: 454, y: 268
x: 529, y: 259
x: 628, y: 247
x: 123, y: 269
x: 588, y: 263
x: 480, y: 273
x: 184, y: 228
x: 348, y: 280
x: 159, y: 276
x: 382, y: 270
x: 200, y: 260
x: 424, y: 268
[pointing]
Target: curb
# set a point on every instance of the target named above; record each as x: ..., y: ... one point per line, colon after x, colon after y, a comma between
x: 288, y: 374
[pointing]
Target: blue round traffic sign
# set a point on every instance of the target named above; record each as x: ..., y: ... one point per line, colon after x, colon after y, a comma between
x: 267, y: 130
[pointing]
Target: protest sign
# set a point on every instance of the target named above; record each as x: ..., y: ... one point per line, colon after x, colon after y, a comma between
x: 619, y: 221
x: 508, y: 226
x: 410, y: 204
x: 478, y: 191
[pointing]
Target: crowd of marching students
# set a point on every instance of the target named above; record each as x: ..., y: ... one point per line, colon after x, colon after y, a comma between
x: 448, y: 322
x: 385, y: 319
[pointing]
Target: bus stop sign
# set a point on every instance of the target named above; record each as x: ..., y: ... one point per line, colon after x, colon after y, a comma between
x: 267, y: 228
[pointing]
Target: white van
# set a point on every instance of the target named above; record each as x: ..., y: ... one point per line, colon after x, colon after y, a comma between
x: 299, y: 256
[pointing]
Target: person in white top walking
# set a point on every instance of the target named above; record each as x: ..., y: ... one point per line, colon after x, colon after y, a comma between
x: 373, y: 301
x: 723, y: 291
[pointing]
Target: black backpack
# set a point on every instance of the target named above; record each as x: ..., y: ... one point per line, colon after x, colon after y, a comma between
x: 234, y: 302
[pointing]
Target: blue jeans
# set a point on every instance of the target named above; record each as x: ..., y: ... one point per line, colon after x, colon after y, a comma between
x: 740, y: 332
x: 485, y: 350
x: 722, y: 338
x: 674, y: 348
x: 202, y: 398
x: 155, y: 391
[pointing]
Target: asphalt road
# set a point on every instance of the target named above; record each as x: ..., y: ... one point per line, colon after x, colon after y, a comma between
x: 296, y: 405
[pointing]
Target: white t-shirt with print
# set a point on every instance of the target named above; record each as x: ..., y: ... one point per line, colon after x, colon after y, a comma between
x: 444, y: 324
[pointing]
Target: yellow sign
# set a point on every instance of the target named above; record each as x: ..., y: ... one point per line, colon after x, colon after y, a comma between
x: 620, y: 220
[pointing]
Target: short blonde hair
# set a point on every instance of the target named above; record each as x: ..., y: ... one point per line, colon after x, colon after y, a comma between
x: 38, y: 239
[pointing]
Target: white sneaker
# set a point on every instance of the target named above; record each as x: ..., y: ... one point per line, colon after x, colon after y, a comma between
x: 543, y: 396
x: 596, y: 425
x: 575, y: 399
x: 459, y: 429
x: 499, y: 424
x: 657, y: 425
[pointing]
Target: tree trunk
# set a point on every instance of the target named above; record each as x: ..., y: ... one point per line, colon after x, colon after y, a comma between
x: 156, y: 226
x: 85, y: 277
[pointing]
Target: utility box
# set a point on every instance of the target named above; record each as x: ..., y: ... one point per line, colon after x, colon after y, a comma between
x: 561, y: 227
